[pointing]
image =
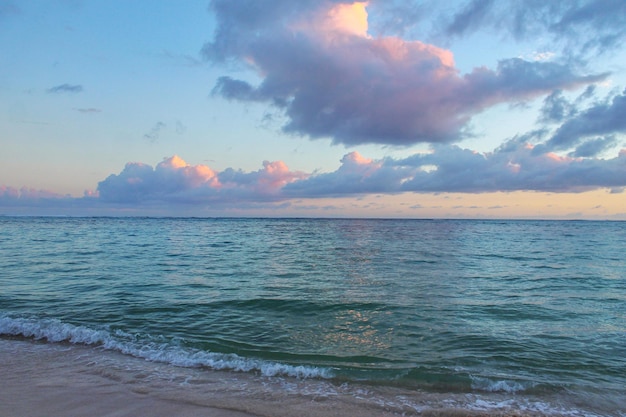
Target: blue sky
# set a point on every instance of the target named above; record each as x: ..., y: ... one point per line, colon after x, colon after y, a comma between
x: 313, y: 108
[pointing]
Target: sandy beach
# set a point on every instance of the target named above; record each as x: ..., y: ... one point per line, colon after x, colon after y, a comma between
x: 50, y: 380
x: 39, y: 380
x: 64, y: 380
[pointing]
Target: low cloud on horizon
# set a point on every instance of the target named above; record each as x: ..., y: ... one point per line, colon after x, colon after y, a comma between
x: 445, y: 169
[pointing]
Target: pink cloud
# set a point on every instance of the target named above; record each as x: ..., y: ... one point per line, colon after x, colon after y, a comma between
x: 189, y: 176
x: 514, y: 166
x: 332, y: 79
x: 174, y: 180
x: 173, y: 183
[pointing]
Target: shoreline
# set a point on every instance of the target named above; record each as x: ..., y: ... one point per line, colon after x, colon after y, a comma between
x: 65, y: 380
x: 68, y: 380
x: 47, y: 380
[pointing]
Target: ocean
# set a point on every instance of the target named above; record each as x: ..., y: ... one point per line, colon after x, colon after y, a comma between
x: 409, y: 316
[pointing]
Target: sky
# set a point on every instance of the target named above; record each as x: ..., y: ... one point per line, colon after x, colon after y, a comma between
x: 313, y: 108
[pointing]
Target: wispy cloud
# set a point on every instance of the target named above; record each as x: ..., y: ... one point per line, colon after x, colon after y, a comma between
x: 594, y: 147
x: 65, y: 88
x: 154, y: 133
x: 582, y: 29
x: 604, y: 118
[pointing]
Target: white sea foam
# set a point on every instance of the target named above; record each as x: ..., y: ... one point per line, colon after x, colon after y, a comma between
x: 479, y: 403
x: 500, y: 385
x: 53, y: 330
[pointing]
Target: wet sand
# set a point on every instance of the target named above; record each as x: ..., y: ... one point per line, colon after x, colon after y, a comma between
x: 39, y: 380
x: 64, y: 380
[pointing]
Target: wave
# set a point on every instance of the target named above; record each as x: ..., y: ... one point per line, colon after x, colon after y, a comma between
x: 172, y: 351
x: 499, y: 385
x: 149, y: 348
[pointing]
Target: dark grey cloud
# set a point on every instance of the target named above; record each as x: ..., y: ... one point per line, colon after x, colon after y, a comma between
x: 583, y: 28
x: 599, y: 24
x: 594, y: 147
x: 340, y: 84
x: 556, y: 108
x: 65, y: 88
x: 471, y: 17
x: 607, y: 117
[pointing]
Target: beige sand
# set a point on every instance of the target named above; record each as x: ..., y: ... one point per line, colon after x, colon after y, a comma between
x: 64, y: 380
x: 56, y: 380
x: 39, y: 382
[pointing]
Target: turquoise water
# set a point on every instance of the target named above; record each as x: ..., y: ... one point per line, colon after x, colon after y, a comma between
x: 518, y: 307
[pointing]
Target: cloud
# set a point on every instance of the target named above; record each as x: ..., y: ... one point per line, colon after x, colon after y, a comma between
x: 594, y: 147
x: 514, y: 169
x: 583, y: 28
x: 180, y: 127
x: 24, y: 200
x: 174, y: 185
x: 602, y: 118
x: 175, y: 181
x: 25, y: 193
x: 556, y: 108
x: 470, y: 18
x: 356, y: 175
x: 65, y: 88
x: 30, y: 201
x: 89, y: 110
x: 318, y: 64
x: 155, y: 132
x: 449, y: 168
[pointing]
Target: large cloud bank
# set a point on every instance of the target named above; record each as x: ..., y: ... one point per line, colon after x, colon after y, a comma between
x: 317, y: 62
x: 447, y: 168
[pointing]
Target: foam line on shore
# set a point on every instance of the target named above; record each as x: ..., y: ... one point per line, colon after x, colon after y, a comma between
x: 53, y: 330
